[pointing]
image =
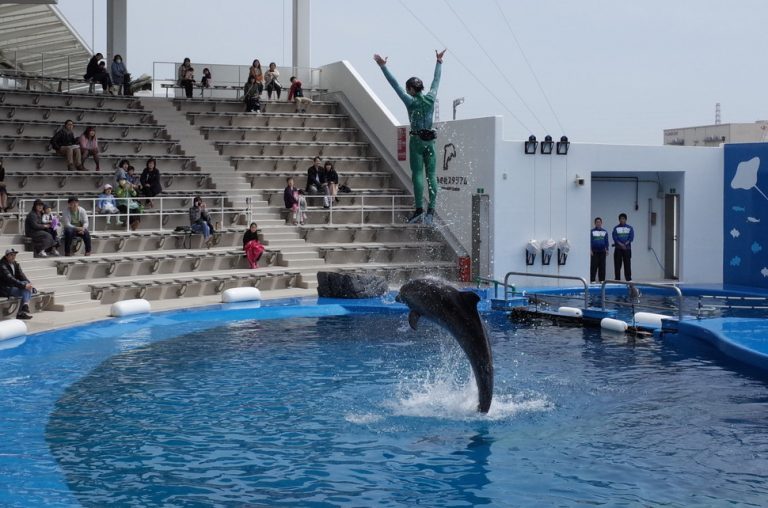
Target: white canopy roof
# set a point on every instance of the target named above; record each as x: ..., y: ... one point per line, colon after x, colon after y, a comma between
x: 36, y: 39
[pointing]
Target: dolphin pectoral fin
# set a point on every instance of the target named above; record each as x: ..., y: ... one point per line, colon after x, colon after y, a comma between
x: 413, y: 319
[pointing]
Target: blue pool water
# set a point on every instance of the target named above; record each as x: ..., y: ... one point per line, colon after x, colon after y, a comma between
x: 331, y: 406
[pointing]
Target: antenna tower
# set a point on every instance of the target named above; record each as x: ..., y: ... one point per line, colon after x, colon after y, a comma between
x: 717, y: 113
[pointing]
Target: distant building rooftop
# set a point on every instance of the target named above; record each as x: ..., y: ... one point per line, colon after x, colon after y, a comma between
x: 715, y: 135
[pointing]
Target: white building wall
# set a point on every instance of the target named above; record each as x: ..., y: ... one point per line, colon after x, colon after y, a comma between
x: 536, y: 196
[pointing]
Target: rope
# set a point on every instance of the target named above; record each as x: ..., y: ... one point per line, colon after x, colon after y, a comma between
x: 480, y: 82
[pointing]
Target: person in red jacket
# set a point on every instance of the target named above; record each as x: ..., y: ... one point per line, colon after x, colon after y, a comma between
x: 296, y: 94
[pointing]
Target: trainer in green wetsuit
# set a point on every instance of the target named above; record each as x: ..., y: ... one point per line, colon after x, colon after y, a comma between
x: 421, y: 147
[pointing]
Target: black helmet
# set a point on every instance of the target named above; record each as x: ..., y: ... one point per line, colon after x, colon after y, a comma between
x: 414, y: 83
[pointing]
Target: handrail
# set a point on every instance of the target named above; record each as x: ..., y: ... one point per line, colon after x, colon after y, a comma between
x: 548, y: 276
x: 649, y: 285
x: 485, y: 280
x: 392, y: 207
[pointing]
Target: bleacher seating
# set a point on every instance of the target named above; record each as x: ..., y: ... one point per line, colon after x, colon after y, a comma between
x: 363, y: 231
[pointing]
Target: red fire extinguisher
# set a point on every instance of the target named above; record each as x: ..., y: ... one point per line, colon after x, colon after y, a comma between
x: 465, y: 269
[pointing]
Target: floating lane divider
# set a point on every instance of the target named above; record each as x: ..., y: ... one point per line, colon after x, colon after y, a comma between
x: 570, y: 312
x: 12, y: 328
x: 241, y: 294
x: 613, y: 325
x: 650, y: 319
x: 130, y: 307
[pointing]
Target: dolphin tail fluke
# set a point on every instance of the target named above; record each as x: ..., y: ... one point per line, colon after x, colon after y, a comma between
x: 413, y: 319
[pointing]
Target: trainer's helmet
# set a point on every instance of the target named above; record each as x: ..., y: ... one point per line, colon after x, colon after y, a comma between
x: 414, y: 83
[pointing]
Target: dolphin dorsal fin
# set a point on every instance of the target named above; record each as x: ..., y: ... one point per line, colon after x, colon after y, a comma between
x: 470, y: 298
x: 413, y: 319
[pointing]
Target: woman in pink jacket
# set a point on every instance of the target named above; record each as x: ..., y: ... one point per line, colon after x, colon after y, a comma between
x: 89, y: 145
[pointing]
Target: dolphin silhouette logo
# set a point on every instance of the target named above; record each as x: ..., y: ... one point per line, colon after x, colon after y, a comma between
x: 456, y: 311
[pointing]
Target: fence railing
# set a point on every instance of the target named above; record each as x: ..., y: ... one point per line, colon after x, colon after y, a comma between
x: 674, y: 289
x: 231, y: 76
x: 548, y: 276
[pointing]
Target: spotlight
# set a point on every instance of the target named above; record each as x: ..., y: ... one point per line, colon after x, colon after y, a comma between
x: 546, y: 145
x: 530, y: 145
x: 562, y: 146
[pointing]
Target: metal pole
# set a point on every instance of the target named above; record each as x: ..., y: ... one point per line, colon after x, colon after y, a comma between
x: 547, y: 276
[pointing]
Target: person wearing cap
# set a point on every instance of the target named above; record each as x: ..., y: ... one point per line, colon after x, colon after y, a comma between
x: 75, y: 223
x: 421, y: 147
x: 14, y: 284
x: 107, y: 204
x: 39, y: 232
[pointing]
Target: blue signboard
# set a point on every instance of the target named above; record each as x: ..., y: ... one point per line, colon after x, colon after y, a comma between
x: 745, y: 221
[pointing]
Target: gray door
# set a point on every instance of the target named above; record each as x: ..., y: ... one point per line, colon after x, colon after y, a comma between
x: 672, y: 236
x: 481, y: 235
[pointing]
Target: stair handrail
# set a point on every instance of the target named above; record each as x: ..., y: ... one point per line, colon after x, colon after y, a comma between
x: 549, y: 276
x: 672, y: 287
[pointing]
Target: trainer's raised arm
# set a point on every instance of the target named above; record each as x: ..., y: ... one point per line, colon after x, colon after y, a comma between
x: 439, y: 55
x: 381, y: 61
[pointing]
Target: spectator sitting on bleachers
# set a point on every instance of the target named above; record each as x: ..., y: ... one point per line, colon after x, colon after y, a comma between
x: 186, y: 77
x: 331, y: 180
x: 200, y: 220
x: 150, y: 182
x: 134, y: 180
x: 75, y: 222
x: 207, y: 80
x: 89, y: 145
x: 251, y: 245
x: 64, y: 143
x: 257, y: 74
x: 291, y: 199
x: 107, y: 204
x: 38, y: 232
x: 13, y: 283
x: 51, y: 218
x: 3, y: 189
x: 296, y: 94
x: 272, y: 82
x: 98, y: 73
x: 125, y: 202
x: 251, y: 96
x: 118, y: 74
x: 314, y: 184
x: 121, y: 173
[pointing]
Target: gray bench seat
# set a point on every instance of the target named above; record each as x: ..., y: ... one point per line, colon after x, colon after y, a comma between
x: 307, y: 149
x: 41, y: 300
x: 56, y: 99
x: 77, y: 114
x: 266, y: 134
x: 293, y: 163
x: 16, y: 127
x: 41, y: 144
x: 39, y: 160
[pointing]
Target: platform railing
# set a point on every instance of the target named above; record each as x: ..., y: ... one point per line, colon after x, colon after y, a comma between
x: 548, y: 276
x: 675, y: 289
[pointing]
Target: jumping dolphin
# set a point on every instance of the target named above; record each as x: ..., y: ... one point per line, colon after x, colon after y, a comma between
x: 456, y: 311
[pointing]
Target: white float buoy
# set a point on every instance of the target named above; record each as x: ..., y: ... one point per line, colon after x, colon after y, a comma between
x: 569, y: 311
x: 242, y: 294
x: 650, y: 319
x: 130, y: 307
x: 12, y: 328
x: 613, y: 325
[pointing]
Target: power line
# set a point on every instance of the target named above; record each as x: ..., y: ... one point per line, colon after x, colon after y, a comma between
x: 530, y: 67
x: 480, y: 82
x: 493, y: 62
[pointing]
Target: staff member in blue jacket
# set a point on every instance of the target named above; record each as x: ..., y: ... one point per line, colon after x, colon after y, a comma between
x: 623, y: 235
x: 598, y: 245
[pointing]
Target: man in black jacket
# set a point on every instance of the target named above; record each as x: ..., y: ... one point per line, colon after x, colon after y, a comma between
x: 64, y: 143
x: 13, y: 283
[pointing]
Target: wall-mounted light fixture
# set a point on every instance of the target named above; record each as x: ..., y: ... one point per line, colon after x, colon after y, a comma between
x: 530, y: 145
x: 562, y: 146
x: 546, y: 145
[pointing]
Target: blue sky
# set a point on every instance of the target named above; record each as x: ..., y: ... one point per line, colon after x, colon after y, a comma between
x: 613, y: 72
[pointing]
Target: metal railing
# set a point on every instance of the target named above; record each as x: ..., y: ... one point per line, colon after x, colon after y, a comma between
x: 548, y: 276
x: 675, y: 289
x: 392, y: 207
x: 231, y: 76
x: 162, y: 211
x: 485, y: 280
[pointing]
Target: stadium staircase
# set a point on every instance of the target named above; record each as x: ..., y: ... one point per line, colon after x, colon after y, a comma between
x: 238, y: 162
